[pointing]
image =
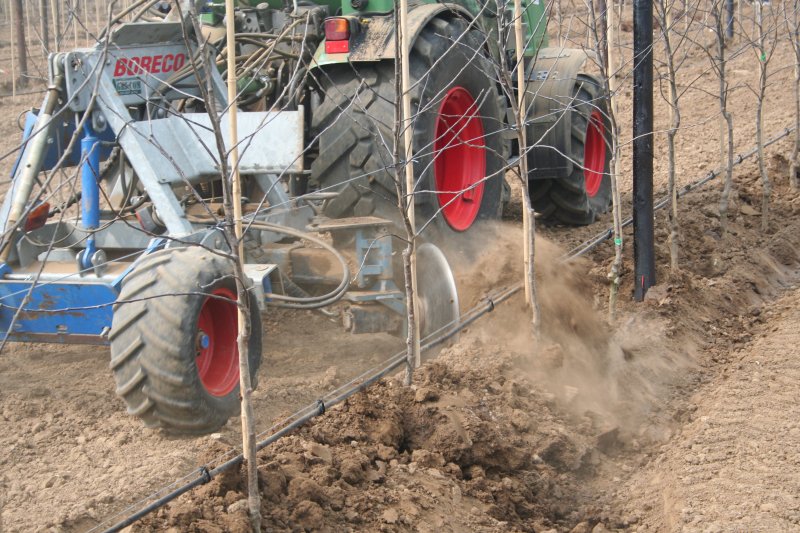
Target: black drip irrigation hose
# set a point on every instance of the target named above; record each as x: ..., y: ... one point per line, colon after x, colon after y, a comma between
x: 359, y: 384
x: 355, y: 386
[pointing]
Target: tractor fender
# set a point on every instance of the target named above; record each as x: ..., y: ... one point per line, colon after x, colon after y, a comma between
x: 550, y: 90
x: 375, y: 40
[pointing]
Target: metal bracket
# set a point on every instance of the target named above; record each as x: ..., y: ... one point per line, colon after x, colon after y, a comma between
x: 259, y: 275
x: 374, y: 254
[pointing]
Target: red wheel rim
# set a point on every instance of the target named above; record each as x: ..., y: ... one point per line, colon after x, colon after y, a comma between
x: 459, y: 158
x: 594, y: 154
x: 217, y: 353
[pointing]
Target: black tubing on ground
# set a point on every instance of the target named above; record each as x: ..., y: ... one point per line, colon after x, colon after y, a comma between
x: 154, y: 335
x: 564, y: 199
x: 354, y: 125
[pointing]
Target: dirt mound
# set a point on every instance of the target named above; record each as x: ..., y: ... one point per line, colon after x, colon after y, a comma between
x: 473, y: 446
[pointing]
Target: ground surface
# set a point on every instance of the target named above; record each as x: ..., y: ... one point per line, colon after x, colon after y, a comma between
x: 681, y: 416
x: 734, y: 466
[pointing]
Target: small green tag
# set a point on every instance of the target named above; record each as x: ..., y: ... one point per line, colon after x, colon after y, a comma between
x: 618, y: 241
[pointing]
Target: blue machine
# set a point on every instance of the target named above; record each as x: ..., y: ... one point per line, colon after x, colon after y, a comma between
x: 136, y: 256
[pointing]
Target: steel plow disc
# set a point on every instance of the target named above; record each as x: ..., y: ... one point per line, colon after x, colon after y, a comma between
x: 438, y: 297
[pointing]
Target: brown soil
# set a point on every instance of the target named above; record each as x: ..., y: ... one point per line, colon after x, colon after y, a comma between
x: 645, y: 426
x: 680, y: 416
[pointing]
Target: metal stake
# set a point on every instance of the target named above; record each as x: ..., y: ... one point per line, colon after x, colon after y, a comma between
x: 643, y: 234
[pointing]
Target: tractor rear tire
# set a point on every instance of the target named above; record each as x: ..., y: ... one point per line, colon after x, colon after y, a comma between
x: 457, y: 137
x: 578, y: 199
x: 174, y: 351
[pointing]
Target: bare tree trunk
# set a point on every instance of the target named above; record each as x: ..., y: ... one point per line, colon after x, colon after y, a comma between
x: 97, y: 9
x: 602, y: 30
x: 73, y: 9
x: 233, y: 213
x: 13, y: 56
x: 739, y: 11
x: 794, y: 39
x: 22, y: 49
x: 529, y: 220
x: 611, y: 39
x: 793, y: 181
x: 412, y: 344
x: 516, y: 91
x: 232, y: 230
x: 86, y: 21
x: 602, y: 45
x: 530, y: 266
x: 687, y: 20
x: 614, y: 274
x: 727, y: 162
x: 45, y: 27
x: 727, y: 187
x: 55, y: 14
x: 766, y: 186
x: 405, y: 187
x: 674, y: 228
x: 27, y: 14
x: 665, y: 8
x: 560, y: 23
x: 610, y: 82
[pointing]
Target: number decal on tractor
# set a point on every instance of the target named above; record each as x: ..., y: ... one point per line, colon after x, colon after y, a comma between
x: 128, y: 86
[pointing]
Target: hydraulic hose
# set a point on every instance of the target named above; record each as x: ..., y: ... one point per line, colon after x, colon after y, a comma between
x: 307, y: 302
x: 291, y: 288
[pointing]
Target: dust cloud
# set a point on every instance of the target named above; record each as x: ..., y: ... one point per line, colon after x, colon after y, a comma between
x: 616, y: 375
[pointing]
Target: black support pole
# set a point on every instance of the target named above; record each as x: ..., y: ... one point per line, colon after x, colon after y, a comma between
x: 643, y: 236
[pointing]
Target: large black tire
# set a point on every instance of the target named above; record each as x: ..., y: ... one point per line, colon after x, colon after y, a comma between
x: 173, y: 348
x: 354, y: 126
x: 586, y: 192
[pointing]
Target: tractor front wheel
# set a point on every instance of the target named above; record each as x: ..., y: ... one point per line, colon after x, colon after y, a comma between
x: 173, y: 337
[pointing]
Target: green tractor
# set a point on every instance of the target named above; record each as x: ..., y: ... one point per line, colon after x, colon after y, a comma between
x: 337, y: 60
x: 141, y: 271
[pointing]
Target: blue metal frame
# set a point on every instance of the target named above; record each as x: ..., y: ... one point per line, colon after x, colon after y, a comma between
x: 90, y: 192
x: 65, y: 312
x: 71, y: 311
x: 375, y: 259
x: 62, y: 133
x: 374, y: 256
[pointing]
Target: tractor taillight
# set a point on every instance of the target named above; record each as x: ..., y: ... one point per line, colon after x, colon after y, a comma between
x: 37, y: 217
x: 337, y: 35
